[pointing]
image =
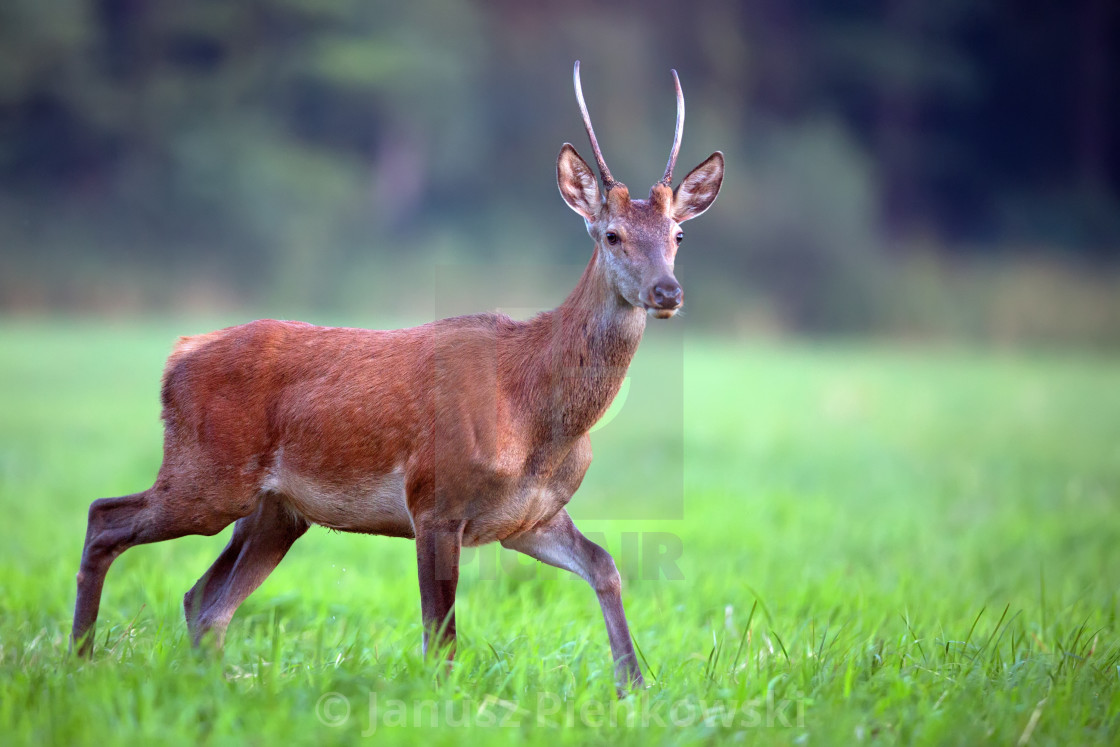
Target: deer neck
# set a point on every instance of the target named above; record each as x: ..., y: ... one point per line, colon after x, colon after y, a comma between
x: 599, y: 329
x: 588, y: 344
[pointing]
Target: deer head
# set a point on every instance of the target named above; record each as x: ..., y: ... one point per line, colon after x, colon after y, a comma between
x: 638, y: 239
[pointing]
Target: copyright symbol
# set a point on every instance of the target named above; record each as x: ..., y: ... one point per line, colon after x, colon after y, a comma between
x: 332, y: 709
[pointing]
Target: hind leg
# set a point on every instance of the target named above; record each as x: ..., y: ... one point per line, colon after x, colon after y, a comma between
x: 116, y: 524
x: 259, y: 543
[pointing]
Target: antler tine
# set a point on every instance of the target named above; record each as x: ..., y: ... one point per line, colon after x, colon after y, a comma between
x: 604, y: 172
x: 667, y: 180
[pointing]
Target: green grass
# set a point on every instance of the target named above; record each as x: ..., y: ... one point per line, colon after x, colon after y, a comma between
x: 876, y: 545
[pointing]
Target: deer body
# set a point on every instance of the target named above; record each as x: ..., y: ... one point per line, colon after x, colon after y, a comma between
x: 459, y: 432
x: 464, y: 404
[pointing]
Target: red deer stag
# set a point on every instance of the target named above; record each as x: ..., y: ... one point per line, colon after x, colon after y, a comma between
x: 459, y: 432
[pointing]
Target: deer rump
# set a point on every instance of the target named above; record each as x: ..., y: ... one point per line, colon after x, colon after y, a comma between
x: 362, y: 430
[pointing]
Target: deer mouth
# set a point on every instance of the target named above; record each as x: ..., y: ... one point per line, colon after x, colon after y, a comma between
x: 658, y: 313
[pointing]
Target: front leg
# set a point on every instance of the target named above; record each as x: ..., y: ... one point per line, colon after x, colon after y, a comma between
x: 558, y: 542
x: 437, y: 560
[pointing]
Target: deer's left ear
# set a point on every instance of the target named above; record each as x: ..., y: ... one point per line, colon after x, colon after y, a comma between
x: 698, y: 190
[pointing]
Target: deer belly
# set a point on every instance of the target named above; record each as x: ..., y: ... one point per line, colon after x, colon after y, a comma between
x: 373, y: 505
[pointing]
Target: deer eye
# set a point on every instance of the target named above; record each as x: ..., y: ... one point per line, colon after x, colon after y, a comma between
x: 612, y: 238
x: 680, y: 237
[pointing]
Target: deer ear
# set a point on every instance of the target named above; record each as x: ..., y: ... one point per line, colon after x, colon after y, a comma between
x: 698, y: 190
x: 577, y: 183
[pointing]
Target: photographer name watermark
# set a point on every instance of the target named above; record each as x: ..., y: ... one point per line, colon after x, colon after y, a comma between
x: 549, y: 709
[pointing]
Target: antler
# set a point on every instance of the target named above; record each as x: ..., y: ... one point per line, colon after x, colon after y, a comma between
x: 604, y: 172
x: 667, y: 180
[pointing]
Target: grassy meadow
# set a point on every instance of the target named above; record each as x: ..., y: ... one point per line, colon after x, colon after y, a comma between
x: 821, y: 544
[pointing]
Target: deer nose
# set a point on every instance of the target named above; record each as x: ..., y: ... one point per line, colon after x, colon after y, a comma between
x: 667, y: 294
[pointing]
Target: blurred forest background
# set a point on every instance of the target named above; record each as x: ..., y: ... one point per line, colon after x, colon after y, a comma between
x: 918, y: 170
